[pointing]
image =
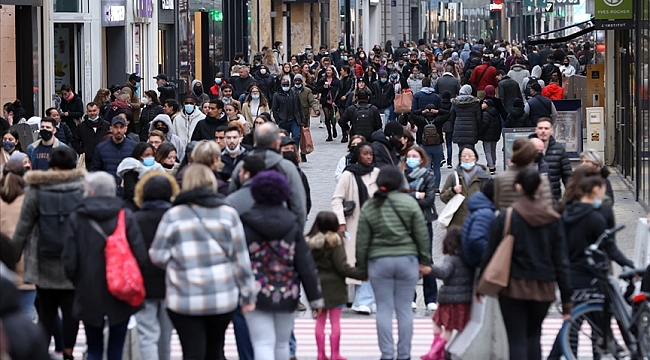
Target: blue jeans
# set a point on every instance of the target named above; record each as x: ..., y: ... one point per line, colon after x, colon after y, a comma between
x: 242, y: 337
x: 95, y: 341
x: 435, y: 155
x: 27, y: 298
x: 429, y: 284
x: 293, y: 345
x: 294, y: 129
x: 364, y: 295
x: 388, y: 112
x: 449, y: 136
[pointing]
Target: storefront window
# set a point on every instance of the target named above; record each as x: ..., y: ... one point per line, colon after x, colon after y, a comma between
x: 64, y: 53
x: 67, y: 6
x: 643, y: 110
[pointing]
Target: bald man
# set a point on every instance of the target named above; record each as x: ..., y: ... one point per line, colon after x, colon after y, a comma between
x: 542, y: 165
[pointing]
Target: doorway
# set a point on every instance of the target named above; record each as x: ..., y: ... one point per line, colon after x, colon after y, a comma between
x: 624, y: 99
x: 115, y: 49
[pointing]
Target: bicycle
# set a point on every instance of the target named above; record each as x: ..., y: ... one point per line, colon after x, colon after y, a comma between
x: 592, y: 318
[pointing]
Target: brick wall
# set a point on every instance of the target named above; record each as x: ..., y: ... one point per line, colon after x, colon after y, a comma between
x: 8, y: 57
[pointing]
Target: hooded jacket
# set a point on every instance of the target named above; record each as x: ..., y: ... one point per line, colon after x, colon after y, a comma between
x: 148, y: 113
x: 491, y: 125
x: 44, y: 272
x: 476, y: 228
x: 266, y: 83
x: 280, y: 258
x: 85, y: 264
x: 466, y: 114
x: 205, y: 129
x: 424, y: 97
x: 384, y: 92
x: 185, y: 124
x: 171, y: 136
x: 199, y: 98
x: 553, y: 91
x: 559, y: 167
x: 518, y: 73
x: 508, y: 91
x: 384, y: 152
x: 332, y: 265
x: 517, y: 118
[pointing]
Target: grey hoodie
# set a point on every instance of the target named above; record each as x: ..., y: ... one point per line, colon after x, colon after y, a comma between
x: 170, y: 136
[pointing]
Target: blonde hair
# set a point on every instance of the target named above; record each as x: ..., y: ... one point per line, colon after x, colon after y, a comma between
x: 206, y: 152
x: 138, y: 197
x: 199, y: 176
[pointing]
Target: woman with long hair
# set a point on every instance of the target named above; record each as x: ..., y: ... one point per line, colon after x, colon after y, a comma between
x: 271, y: 62
x: 305, y: 71
x: 10, y: 144
x: 233, y: 113
x: 328, y: 87
x: 103, y: 100
x: 249, y: 139
x: 132, y: 168
x: 151, y: 109
x: 255, y: 104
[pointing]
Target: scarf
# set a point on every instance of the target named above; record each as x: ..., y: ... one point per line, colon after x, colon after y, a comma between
x: 415, y: 177
x: 469, y: 175
x: 360, y: 170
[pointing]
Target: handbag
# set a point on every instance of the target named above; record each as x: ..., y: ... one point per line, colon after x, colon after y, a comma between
x: 403, y: 102
x: 447, y: 214
x: 123, y: 277
x: 81, y: 161
x: 497, y: 272
x: 306, y: 142
x: 349, y: 207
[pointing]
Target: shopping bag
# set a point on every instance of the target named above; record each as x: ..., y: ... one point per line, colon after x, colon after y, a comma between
x: 403, y: 102
x: 497, y: 272
x: 306, y: 143
x: 484, y: 336
x: 81, y: 161
x: 447, y: 213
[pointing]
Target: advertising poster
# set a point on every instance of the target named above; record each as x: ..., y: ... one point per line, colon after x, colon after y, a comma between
x: 567, y: 128
x: 510, y: 135
x: 61, y: 57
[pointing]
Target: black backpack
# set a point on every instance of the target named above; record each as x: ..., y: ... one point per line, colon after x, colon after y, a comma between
x: 363, y: 125
x: 531, y: 81
x: 430, y: 135
x: 55, y: 208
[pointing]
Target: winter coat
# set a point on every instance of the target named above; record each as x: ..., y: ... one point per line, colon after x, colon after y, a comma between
x: 85, y: 264
x: 108, y: 156
x: 330, y: 93
x: 63, y: 133
x: 539, y: 107
x: 384, y: 94
x: 508, y: 91
x: 287, y: 107
x: 273, y: 160
x: 553, y: 92
x: 439, y: 120
x: 205, y: 129
x: 167, y: 90
x: 266, y: 84
x: 504, y: 188
x: 134, y: 100
x: 491, y: 125
x: 201, y: 244
x: 517, y: 118
x: 559, y: 167
x: 280, y: 258
x: 308, y: 102
x: 350, y: 117
x: 44, y: 272
x: 428, y: 204
x: 86, y: 139
x: 474, y: 186
x: 242, y: 199
x: 466, y: 114
x: 32, y: 149
x: 148, y: 218
x: 332, y: 265
x: 170, y: 136
x: 415, y: 84
x: 230, y: 162
x: 384, y: 153
x: 381, y: 233
x: 76, y: 109
x: 449, y: 83
x: 247, y: 111
x: 9, y: 216
x: 518, y: 73
x: 425, y: 97
x: 483, y: 76
x: 458, y: 280
x: 240, y: 85
x: 445, y: 116
x: 147, y: 114
x: 185, y: 124
x: 476, y: 228
x: 130, y: 171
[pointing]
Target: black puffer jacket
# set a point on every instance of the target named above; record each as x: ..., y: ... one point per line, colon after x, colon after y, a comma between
x: 267, y: 84
x: 457, y: 278
x: 491, y: 125
x: 148, y: 218
x: 466, y: 116
x: 85, y: 138
x: 447, y: 126
x: 146, y: 116
x: 518, y: 118
x: 206, y: 128
x: 384, y: 94
x: 559, y: 167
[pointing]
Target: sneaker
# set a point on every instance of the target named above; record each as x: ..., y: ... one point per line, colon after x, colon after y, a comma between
x: 322, y: 125
x: 414, y: 305
x: 373, y: 307
x: 449, y: 166
x: 362, y: 309
x: 493, y: 171
x: 437, y: 191
x: 432, y: 306
x: 442, y: 163
x: 345, y: 139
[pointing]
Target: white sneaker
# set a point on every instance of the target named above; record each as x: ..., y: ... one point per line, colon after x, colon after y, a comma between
x: 432, y: 306
x: 373, y: 307
x: 322, y: 125
x: 362, y: 309
x: 414, y: 306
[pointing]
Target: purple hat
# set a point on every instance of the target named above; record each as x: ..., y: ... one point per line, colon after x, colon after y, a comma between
x: 270, y: 187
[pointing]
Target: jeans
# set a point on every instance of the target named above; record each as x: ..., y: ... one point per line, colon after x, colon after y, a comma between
x: 50, y: 300
x: 435, y: 155
x: 387, y: 111
x: 429, y: 284
x: 270, y: 334
x: 294, y: 129
x: 490, y: 149
x: 393, y: 279
x: 449, y: 137
x: 202, y: 337
x: 95, y: 341
x: 242, y: 336
x: 523, y: 321
x: 364, y: 295
x: 293, y: 345
x: 154, y: 330
x: 27, y: 298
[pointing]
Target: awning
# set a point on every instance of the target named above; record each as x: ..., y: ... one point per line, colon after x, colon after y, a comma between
x: 547, y: 37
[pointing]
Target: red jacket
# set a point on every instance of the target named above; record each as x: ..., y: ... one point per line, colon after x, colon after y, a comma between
x: 553, y: 91
x: 489, y: 78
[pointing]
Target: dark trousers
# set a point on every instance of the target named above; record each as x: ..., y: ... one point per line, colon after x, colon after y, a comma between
x: 429, y: 284
x: 242, y: 336
x: 449, y: 136
x: 345, y: 127
x: 95, y: 341
x: 202, y: 337
x: 50, y: 300
x: 329, y: 113
x: 523, y: 321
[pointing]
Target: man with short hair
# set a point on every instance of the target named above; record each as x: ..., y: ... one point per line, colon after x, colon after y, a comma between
x: 171, y: 108
x: 186, y: 120
x: 287, y: 109
x: 90, y: 133
x: 361, y: 118
x: 204, y: 129
x: 233, y: 151
x: 267, y: 146
x: 156, y: 137
x: 559, y: 167
x: 166, y: 89
x: 39, y: 151
x: 110, y: 153
x: 220, y: 136
x: 63, y: 132
x: 425, y: 96
x: 539, y: 106
x: 240, y: 84
x: 448, y: 82
x: 227, y: 94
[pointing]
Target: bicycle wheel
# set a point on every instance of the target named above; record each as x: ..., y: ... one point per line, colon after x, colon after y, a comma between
x: 589, y: 324
x: 643, y: 332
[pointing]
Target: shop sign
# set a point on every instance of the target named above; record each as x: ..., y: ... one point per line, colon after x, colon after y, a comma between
x: 143, y: 8
x: 114, y: 15
x: 496, y: 6
x: 614, y: 14
x: 167, y: 4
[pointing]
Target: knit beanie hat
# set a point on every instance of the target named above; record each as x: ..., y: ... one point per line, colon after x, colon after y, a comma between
x: 446, y: 95
x: 489, y: 91
x: 270, y: 188
x: 157, y: 188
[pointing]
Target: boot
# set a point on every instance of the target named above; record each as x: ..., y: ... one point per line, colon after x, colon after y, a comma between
x: 437, y: 348
x: 345, y: 139
x: 335, y: 343
x: 334, y: 131
x: 303, y: 158
x: 320, y: 344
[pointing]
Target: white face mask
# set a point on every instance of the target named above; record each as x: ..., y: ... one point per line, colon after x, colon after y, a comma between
x: 263, y: 71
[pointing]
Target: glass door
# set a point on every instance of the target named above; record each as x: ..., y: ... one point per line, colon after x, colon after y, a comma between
x: 625, y: 131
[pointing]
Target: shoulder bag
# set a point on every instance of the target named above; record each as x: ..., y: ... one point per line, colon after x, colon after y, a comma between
x: 497, y: 272
x: 447, y: 214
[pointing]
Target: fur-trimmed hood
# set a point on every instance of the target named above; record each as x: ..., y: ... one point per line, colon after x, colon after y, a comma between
x: 320, y: 240
x: 464, y: 100
x: 56, y: 179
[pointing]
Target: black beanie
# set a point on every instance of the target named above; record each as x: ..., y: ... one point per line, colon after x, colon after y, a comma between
x: 157, y: 188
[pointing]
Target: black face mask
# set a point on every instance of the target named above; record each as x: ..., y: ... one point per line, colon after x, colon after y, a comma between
x: 164, y: 130
x: 539, y: 158
x: 46, y: 135
x: 396, y: 143
x: 167, y: 166
x: 291, y: 156
x: 198, y: 91
x: 352, y: 148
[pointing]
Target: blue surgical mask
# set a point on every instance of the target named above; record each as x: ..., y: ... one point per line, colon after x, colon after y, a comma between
x: 390, y: 67
x: 255, y: 96
x: 189, y: 108
x: 383, y: 79
x: 217, y: 80
x: 308, y: 51
x: 298, y: 86
x: 394, y: 76
x: 597, y: 203
x: 285, y: 88
x: 148, y: 161
x: 344, y: 58
x: 137, y: 85
x: 93, y: 119
x: 413, y: 163
x: 342, y: 47
x: 468, y: 165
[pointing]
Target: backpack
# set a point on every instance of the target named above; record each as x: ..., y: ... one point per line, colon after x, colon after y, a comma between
x: 430, y: 135
x: 531, y: 81
x: 363, y: 125
x: 54, y: 208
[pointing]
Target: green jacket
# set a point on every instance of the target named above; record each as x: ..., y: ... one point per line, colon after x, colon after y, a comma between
x: 332, y: 264
x: 382, y: 234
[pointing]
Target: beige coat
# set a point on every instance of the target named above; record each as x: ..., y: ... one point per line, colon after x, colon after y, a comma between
x: 346, y: 190
x: 246, y: 111
x: 505, y: 193
x: 9, y: 214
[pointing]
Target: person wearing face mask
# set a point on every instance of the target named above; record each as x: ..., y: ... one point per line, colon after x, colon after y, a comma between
x: 39, y: 151
x: 344, y: 161
x: 254, y: 105
x: 466, y: 115
x: 72, y: 107
x: 471, y: 177
x: 132, y: 168
x: 163, y: 124
x: 384, y: 92
x: 10, y: 144
x: 89, y: 133
x: 287, y: 110
x: 215, y: 89
x: 186, y: 120
x: 386, y: 144
x: 63, y: 133
x: 431, y: 143
x: 233, y: 152
x: 266, y: 80
x: 198, y: 93
x: 150, y: 110
x: 289, y: 152
x: 336, y: 54
x: 414, y: 81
